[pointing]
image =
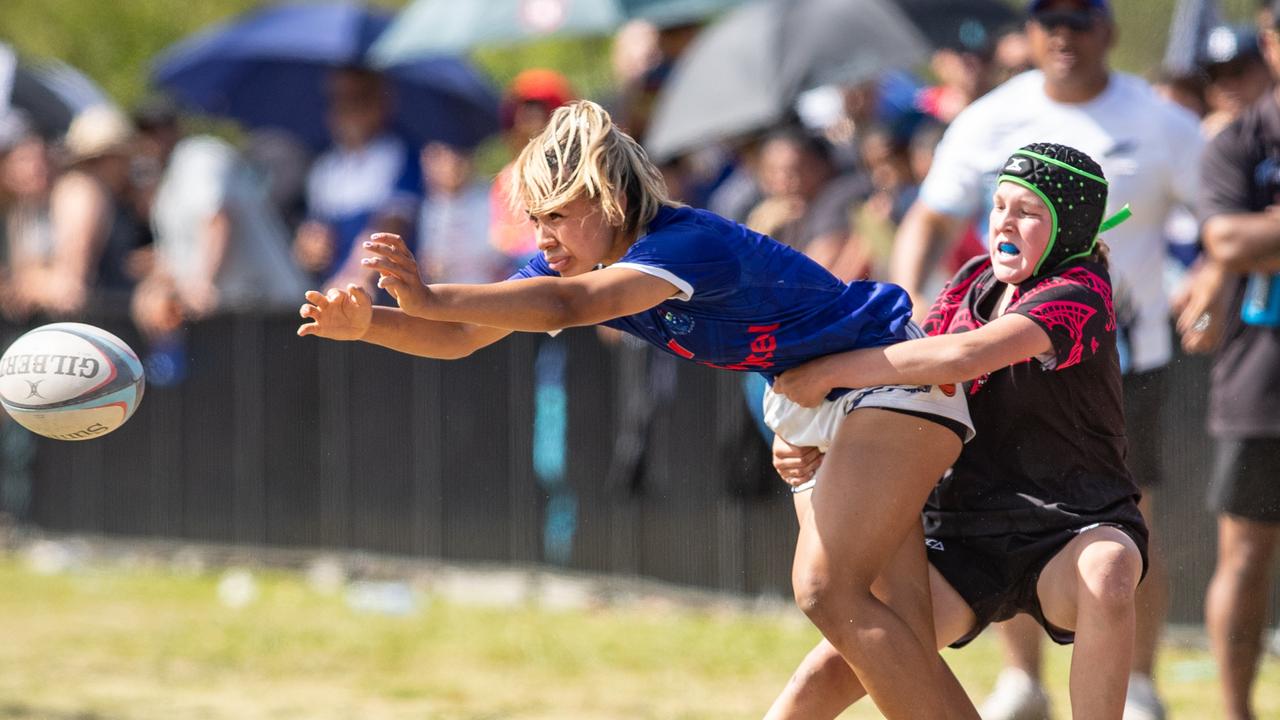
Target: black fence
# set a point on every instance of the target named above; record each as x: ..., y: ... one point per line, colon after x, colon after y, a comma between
x: 276, y: 440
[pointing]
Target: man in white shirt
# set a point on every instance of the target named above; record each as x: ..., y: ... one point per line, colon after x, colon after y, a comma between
x: 1150, y: 151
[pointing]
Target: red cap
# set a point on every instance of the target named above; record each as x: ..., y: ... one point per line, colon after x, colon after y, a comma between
x: 538, y: 85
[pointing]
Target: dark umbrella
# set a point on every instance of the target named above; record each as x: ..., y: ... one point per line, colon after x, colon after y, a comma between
x: 744, y: 72
x: 268, y: 68
x: 51, y: 93
x: 963, y: 24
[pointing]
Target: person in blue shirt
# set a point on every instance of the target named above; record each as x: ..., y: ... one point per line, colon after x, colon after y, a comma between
x: 614, y: 250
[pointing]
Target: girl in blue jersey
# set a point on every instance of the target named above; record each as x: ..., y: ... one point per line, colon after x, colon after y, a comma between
x: 616, y: 251
x: 1039, y: 514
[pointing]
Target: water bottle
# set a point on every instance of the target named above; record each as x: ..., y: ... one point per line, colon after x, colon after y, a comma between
x: 1262, y: 300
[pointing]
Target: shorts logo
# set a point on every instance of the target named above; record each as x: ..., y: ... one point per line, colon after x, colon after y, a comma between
x: 678, y: 324
x: 934, y: 544
x: 948, y: 389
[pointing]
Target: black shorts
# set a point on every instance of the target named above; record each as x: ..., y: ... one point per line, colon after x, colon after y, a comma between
x: 1144, y: 394
x: 1246, y: 479
x: 997, y: 575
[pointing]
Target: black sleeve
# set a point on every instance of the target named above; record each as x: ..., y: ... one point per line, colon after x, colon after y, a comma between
x: 1074, y: 309
x: 1226, y: 181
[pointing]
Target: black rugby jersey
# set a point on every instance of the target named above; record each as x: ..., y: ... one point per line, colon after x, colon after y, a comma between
x: 1050, y: 447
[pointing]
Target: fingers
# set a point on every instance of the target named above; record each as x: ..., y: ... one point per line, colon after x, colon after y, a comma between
x: 391, y: 283
x: 359, y: 296
x: 387, y: 266
x: 394, y: 251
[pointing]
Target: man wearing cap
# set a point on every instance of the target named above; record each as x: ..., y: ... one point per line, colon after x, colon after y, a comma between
x: 1234, y: 71
x: 1241, y: 228
x: 1074, y: 98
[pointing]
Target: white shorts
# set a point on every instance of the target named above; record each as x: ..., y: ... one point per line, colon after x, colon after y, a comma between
x: 817, y: 426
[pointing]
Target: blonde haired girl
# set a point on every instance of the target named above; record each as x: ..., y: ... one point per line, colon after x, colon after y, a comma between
x: 616, y: 251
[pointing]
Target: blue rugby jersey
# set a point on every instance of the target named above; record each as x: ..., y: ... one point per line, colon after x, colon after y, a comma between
x: 746, y: 302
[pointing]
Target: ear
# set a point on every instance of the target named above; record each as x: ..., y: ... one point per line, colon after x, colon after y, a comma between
x: 1269, y: 41
x: 1112, y: 30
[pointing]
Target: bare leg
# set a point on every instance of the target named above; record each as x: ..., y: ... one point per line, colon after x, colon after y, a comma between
x: 1089, y: 587
x: 1153, y: 594
x: 1236, y: 606
x: 870, y: 489
x: 1020, y: 640
x: 824, y: 684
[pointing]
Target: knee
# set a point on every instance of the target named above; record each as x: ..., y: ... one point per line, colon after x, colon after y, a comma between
x: 827, y: 599
x: 813, y: 589
x: 1245, y: 564
x: 1109, y: 574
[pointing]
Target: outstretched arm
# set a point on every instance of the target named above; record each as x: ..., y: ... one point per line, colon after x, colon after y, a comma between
x: 535, y: 304
x: 933, y: 360
x: 349, y: 314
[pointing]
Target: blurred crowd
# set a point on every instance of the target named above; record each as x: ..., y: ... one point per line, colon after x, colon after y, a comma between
x: 132, y: 212
x: 127, y: 209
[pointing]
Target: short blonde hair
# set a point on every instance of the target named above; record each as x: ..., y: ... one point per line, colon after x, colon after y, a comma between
x: 581, y: 153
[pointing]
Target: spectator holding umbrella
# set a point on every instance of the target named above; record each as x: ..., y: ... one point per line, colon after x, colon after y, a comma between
x: 305, y: 68
x: 367, y: 181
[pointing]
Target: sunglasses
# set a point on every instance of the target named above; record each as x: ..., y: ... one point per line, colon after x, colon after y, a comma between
x: 1074, y: 20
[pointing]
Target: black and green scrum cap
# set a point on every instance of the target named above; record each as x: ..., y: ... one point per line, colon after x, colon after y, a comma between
x: 1071, y: 184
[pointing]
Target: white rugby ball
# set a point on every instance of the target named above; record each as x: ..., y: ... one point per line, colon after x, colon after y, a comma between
x: 70, y: 381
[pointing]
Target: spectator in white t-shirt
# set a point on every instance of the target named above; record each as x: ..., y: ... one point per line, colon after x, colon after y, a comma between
x: 1150, y: 151
x: 220, y: 245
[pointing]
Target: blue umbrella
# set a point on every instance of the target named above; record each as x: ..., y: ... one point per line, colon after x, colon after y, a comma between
x: 268, y: 68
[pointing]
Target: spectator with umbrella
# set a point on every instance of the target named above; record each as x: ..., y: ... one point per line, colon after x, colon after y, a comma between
x: 305, y: 68
x: 367, y: 181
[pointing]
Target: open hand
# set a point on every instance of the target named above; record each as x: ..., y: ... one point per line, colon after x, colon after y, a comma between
x: 398, y: 272
x: 806, y: 385
x: 337, y: 315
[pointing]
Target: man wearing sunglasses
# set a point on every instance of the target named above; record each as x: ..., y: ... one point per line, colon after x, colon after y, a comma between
x: 1150, y: 152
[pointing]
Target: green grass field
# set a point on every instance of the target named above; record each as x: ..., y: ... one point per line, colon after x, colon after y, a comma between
x: 112, y: 643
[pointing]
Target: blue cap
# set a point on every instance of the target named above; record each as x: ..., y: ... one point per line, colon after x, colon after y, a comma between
x: 1102, y: 5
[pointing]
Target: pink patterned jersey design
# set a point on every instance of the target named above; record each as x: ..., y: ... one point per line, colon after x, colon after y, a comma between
x: 1071, y: 316
x: 1079, y: 276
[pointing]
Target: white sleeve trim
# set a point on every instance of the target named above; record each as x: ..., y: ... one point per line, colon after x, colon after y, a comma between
x: 684, y: 289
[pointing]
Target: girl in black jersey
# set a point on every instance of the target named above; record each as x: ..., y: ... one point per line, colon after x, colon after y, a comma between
x: 1039, y: 514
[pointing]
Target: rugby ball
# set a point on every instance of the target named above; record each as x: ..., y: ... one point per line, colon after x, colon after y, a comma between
x: 70, y: 381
